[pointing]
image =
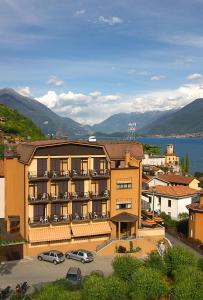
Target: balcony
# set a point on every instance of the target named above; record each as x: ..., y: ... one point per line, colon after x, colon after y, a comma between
x: 38, y: 176
x: 100, y: 216
x: 78, y: 175
x: 100, y: 174
x: 80, y: 218
x: 60, y: 219
x: 59, y: 175
x: 103, y: 196
x: 39, y: 221
x: 80, y: 196
x: 62, y: 197
x: 40, y: 198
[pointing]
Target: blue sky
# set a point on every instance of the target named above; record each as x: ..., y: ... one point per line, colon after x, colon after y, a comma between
x: 90, y: 59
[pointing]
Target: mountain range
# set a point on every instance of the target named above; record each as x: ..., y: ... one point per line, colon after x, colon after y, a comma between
x: 188, y: 119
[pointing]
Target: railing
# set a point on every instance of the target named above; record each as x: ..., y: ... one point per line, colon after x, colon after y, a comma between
x: 38, y: 198
x: 55, y: 219
x: 40, y: 220
x: 100, y: 215
x: 104, y: 244
x: 80, y: 196
x: 61, y: 197
x: 76, y: 174
x: 59, y: 174
x: 104, y: 195
x: 80, y: 217
x: 38, y: 174
x: 100, y: 173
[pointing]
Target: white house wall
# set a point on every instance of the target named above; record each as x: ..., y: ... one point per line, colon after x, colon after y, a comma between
x: 156, y: 181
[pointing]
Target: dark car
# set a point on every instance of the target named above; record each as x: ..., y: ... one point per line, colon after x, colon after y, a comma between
x: 74, y: 275
x: 81, y: 255
x: 53, y: 256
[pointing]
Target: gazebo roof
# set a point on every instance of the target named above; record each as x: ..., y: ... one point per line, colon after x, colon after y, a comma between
x: 124, y: 217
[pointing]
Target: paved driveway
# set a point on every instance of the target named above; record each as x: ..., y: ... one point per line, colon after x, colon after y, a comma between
x: 34, y: 271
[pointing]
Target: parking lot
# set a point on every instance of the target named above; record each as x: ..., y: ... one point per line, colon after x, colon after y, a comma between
x: 35, y: 272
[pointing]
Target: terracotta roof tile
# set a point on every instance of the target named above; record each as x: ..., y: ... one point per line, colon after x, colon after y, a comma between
x: 176, y: 178
x: 175, y: 191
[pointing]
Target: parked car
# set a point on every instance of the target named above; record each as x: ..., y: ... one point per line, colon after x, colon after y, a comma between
x: 74, y: 275
x: 52, y: 256
x: 81, y: 255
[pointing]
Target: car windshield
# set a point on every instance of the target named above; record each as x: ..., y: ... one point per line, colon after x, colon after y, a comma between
x: 72, y: 277
x: 60, y: 254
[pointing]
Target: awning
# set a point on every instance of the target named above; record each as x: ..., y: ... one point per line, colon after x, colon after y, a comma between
x: 48, y: 234
x: 123, y: 201
x: 91, y: 229
x: 124, y: 217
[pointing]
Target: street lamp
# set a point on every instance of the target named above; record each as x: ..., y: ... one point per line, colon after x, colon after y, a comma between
x: 153, y: 190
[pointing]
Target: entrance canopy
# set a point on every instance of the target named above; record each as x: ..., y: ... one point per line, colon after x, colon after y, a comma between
x: 124, y: 217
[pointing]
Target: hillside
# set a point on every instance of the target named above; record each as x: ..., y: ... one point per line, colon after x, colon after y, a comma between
x: 15, y: 124
x: 189, y: 120
x: 42, y: 116
x: 119, y: 122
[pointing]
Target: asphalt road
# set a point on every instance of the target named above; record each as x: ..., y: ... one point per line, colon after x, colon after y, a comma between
x: 36, y: 272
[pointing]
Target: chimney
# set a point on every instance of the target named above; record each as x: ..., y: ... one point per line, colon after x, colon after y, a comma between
x: 127, y: 158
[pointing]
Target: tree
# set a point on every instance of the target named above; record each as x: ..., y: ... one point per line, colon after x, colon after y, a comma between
x: 188, y: 284
x: 115, y: 288
x: 156, y: 262
x: 187, y: 164
x: 94, y: 288
x: 147, y: 284
x: 176, y: 257
x: 183, y: 165
x: 125, y: 266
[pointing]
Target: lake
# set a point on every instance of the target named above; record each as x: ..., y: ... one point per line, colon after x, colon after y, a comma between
x: 182, y: 146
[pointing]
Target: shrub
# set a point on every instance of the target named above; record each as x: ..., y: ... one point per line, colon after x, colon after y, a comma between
x: 115, y: 288
x: 125, y: 266
x: 94, y: 288
x: 178, y: 256
x: 98, y: 273
x: 147, y: 284
x: 54, y: 291
x: 131, y: 246
x: 156, y: 262
x: 200, y: 264
x: 121, y: 249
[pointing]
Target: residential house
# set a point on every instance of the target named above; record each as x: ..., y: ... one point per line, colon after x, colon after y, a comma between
x: 149, y: 181
x: 196, y: 219
x: 175, y: 180
x: 169, y: 199
x: 71, y: 194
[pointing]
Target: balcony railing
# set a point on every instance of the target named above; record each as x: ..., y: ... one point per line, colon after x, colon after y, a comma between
x: 42, y: 198
x: 39, y: 221
x: 103, y: 195
x: 38, y: 175
x: 58, y: 219
x: 80, y: 217
x: 100, y: 215
x: 80, y: 196
x: 84, y: 174
x: 62, y: 197
x: 59, y: 175
x: 100, y: 173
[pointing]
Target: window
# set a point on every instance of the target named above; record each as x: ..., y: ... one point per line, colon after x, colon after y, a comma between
x: 192, y: 217
x: 127, y: 185
x: 169, y: 203
x: 123, y: 205
x: 63, y: 165
x: 191, y: 233
x: 14, y: 224
x: 159, y: 200
x: 150, y: 199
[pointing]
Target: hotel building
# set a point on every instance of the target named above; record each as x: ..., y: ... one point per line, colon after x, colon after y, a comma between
x: 66, y: 194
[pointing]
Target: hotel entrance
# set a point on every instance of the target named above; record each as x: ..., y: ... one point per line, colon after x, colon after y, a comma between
x: 125, y: 225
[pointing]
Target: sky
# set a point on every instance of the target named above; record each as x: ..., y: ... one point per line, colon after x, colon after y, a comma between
x: 90, y: 59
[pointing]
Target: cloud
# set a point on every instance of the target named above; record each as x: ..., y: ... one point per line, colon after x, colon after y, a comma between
x: 94, y: 107
x: 157, y: 77
x: 182, y: 39
x: 25, y: 91
x: 79, y: 12
x: 54, y: 80
x: 111, y: 20
x: 195, y: 76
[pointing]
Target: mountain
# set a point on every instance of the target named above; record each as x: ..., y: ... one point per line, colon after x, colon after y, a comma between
x: 14, y: 123
x: 188, y: 119
x: 119, y: 122
x: 42, y: 116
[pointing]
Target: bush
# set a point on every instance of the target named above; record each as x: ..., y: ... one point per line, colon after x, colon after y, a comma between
x: 98, y: 273
x: 115, y: 288
x: 94, y: 288
x: 188, y: 284
x: 147, y: 284
x: 121, y: 249
x: 125, y: 266
x: 131, y: 247
x: 156, y: 262
x: 53, y: 292
x: 178, y: 256
x: 200, y: 264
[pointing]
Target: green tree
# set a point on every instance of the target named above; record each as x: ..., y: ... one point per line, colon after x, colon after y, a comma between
x: 94, y: 288
x: 125, y: 266
x: 183, y: 165
x: 176, y: 257
x: 188, y: 284
x: 115, y: 288
x: 148, y: 284
x: 156, y: 262
x: 187, y: 164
